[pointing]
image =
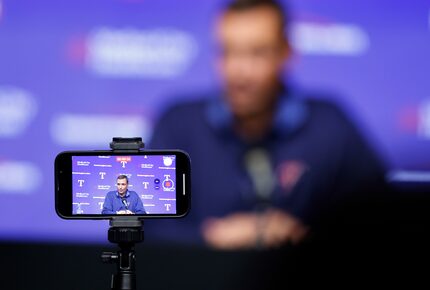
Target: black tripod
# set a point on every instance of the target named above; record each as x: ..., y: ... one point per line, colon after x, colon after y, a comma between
x: 124, y: 231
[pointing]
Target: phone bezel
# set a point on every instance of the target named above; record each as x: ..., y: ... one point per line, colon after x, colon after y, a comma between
x: 63, y: 182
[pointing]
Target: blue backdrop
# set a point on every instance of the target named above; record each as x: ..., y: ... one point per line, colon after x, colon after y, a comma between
x: 73, y: 74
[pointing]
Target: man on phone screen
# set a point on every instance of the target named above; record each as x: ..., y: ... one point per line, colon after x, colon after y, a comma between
x: 122, y: 201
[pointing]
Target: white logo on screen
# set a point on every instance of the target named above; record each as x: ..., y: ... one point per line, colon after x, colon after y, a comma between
x: 81, y: 182
x: 167, y: 160
x: 123, y: 163
x: 168, y: 184
x: 79, y: 210
x: 102, y: 175
x: 167, y: 206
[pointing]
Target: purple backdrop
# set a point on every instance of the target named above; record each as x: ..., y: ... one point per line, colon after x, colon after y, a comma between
x: 74, y: 74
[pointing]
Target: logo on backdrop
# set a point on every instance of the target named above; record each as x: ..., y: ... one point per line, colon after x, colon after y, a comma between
x: 168, y: 184
x: 123, y: 160
x: 327, y: 38
x: 162, y: 53
x: 17, y: 109
x: 94, y: 129
x: 414, y: 119
x: 79, y: 209
x: 1, y: 8
x: 26, y: 176
x: 167, y: 160
x: 424, y: 120
x: 157, y: 184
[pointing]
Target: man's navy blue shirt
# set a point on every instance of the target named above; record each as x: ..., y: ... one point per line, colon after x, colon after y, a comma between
x: 317, y: 155
x: 114, y: 202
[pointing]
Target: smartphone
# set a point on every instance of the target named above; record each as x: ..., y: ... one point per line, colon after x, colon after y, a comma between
x: 105, y: 183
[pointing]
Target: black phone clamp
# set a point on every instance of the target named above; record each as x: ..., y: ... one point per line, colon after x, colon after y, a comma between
x: 124, y: 231
x: 126, y: 144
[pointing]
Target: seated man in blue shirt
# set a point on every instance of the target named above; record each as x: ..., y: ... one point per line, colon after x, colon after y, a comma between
x: 269, y: 161
x: 122, y: 201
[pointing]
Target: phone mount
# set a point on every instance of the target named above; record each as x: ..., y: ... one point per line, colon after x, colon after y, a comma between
x: 124, y: 231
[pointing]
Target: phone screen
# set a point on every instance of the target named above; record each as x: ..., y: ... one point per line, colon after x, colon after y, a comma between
x: 151, y: 177
x: 151, y: 184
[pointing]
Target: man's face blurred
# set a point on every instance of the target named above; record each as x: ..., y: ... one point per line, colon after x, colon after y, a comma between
x: 253, y: 51
x: 121, y: 185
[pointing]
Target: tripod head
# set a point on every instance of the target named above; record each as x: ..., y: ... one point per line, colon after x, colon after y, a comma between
x: 124, y: 231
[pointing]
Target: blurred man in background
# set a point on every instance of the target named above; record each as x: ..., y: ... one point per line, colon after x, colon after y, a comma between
x: 269, y: 161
